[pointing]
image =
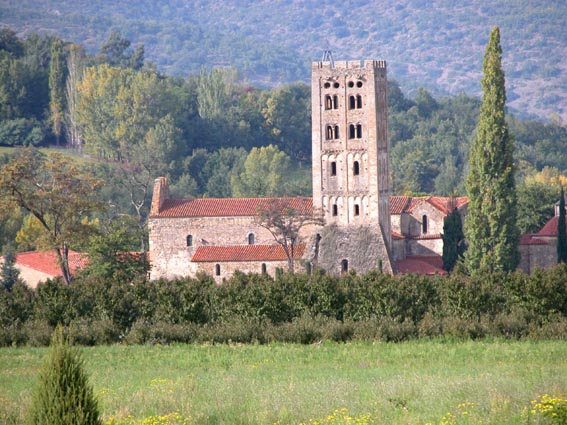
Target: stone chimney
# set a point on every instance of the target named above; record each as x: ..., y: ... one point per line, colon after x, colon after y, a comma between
x: 161, y: 193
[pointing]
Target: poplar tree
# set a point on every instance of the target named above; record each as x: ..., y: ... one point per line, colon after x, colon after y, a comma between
x: 490, y: 228
x: 561, y: 231
x: 57, y: 87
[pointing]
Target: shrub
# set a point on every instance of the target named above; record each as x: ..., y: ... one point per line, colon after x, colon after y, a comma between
x: 63, y: 395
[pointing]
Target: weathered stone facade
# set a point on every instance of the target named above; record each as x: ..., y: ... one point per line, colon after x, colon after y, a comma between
x: 351, y: 189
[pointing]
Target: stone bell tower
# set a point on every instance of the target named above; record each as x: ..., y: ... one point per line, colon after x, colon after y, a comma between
x: 350, y: 149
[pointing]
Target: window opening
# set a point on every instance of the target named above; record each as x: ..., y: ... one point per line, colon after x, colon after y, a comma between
x: 359, y: 131
x: 335, y: 102
x: 424, y: 224
x: 333, y: 168
x: 359, y: 84
x: 356, y: 168
x: 337, y: 132
x: 327, y: 85
x: 351, y: 131
x: 189, y: 240
x: 251, y: 239
x: 358, y: 101
x: 356, y: 209
x: 350, y: 84
x: 351, y: 102
x: 329, y: 132
x: 344, y: 266
x: 264, y: 268
x: 336, y: 85
x: 217, y: 269
x: 335, y: 210
x: 328, y: 102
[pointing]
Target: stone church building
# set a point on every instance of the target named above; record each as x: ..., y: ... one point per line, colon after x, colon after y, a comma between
x: 364, y: 228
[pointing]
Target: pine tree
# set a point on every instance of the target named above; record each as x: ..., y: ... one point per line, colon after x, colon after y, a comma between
x: 9, y: 274
x: 63, y: 395
x: 453, y: 240
x: 490, y: 228
x: 561, y: 231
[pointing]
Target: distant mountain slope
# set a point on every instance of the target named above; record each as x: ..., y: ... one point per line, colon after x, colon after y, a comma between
x: 430, y: 43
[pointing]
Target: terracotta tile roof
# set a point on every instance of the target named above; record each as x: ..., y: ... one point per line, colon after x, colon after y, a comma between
x: 244, y: 253
x: 46, y: 261
x: 427, y: 265
x: 406, y: 204
x: 399, y: 204
x: 228, y: 207
x: 550, y: 228
x: 446, y: 204
x: 529, y: 239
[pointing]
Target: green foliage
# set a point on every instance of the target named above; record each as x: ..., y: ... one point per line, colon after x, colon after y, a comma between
x: 21, y: 132
x: 263, y: 173
x: 56, y: 193
x: 490, y: 228
x: 453, y: 240
x: 63, y: 395
x: 9, y: 274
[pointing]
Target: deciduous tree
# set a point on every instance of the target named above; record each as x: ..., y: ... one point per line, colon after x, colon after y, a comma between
x: 490, y: 228
x: 285, y: 222
x: 55, y: 192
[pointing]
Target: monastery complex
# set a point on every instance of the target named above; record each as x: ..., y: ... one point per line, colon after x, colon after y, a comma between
x: 362, y: 227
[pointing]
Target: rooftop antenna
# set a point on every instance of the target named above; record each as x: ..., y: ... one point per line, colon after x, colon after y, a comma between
x: 328, y: 55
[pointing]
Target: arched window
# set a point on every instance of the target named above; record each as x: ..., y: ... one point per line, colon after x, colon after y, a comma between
x: 329, y: 132
x: 264, y: 268
x: 189, y: 240
x: 333, y: 168
x: 344, y: 266
x: 351, y: 102
x: 328, y: 102
x: 358, y: 101
x: 359, y: 131
x: 337, y: 132
x: 424, y: 224
x: 251, y: 239
x: 356, y: 209
x: 335, y: 102
x: 217, y: 269
x: 351, y: 131
x: 335, y: 210
x: 356, y: 168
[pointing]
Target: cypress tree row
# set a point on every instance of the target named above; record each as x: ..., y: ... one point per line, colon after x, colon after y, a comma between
x: 561, y: 231
x: 63, y: 395
x: 490, y: 228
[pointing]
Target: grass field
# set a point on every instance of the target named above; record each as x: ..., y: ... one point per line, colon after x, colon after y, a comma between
x: 407, y: 383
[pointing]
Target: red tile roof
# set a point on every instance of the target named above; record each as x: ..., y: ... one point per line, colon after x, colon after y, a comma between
x: 46, y: 261
x: 427, y: 265
x: 550, y: 228
x: 406, y: 204
x: 244, y: 253
x: 228, y: 207
x: 529, y: 239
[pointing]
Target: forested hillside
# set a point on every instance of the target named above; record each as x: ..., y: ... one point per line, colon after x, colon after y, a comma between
x: 434, y: 44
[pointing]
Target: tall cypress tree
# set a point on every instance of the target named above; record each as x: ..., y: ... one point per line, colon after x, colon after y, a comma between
x: 453, y: 240
x: 490, y: 228
x: 561, y: 231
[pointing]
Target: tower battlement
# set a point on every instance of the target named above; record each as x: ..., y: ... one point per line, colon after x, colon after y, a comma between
x: 349, y: 64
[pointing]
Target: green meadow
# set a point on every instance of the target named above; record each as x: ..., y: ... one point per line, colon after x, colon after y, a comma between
x: 416, y: 382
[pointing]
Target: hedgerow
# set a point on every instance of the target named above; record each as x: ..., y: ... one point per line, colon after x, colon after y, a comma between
x: 293, y: 308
